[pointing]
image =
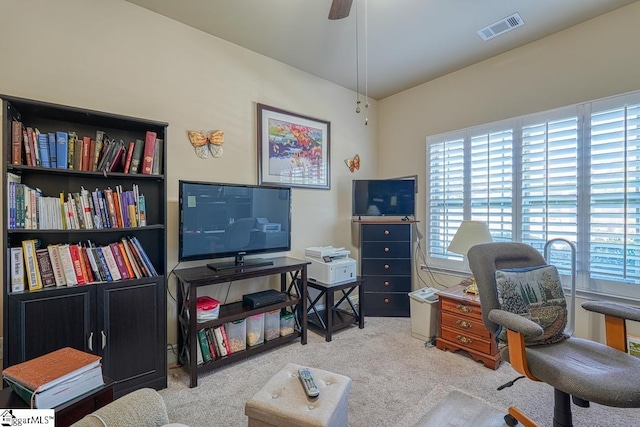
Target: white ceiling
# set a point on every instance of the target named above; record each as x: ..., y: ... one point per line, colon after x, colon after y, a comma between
x: 409, y: 42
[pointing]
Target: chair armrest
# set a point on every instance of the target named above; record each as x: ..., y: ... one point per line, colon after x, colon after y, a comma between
x: 515, y: 322
x: 143, y: 407
x: 613, y: 309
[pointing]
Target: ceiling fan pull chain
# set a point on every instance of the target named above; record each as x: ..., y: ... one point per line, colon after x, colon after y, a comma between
x: 357, y: 65
x: 366, y: 61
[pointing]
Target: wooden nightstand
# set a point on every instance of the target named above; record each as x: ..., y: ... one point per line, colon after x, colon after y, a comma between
x: 461, y: 327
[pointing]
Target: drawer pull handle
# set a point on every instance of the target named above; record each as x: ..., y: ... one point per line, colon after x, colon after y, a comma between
x: 386, y: 283
x: 463, y: 324
x: 463, y: 308
x: 386, y: 300
x: 386, y: 266
x: 464, y: 340
x: 386, y: 249
x: 386, y: 232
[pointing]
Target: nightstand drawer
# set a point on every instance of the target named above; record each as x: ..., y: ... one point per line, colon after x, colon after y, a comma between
x: 388, y: 284
x: 387, y: 303
x: 456, y: 307
x: 465, y: 340
x: 386, y: 233
x: 465, y: 325
x: 386, y: 250
x: 386, y: 267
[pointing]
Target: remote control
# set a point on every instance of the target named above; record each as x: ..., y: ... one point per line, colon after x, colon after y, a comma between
x: 308, y: 383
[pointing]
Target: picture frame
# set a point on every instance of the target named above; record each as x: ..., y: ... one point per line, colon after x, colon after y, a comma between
x: 293, y: 149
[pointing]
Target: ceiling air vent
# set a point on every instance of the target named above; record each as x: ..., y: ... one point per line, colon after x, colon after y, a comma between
x: 501, y: 27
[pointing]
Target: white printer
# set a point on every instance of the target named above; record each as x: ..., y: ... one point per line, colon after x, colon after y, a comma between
x: 330, y: 265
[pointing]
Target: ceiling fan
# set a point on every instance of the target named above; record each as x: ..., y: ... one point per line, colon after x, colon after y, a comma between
x: 340, y: 9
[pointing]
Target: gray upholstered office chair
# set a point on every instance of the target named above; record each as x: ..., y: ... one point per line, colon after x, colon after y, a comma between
x: 586, y: 370
x: 237, y: 235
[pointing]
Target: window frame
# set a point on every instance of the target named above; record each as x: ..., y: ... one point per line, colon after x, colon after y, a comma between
x: 453, y: 263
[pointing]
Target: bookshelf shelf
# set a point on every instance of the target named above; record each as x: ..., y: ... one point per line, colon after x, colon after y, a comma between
x: 293, y: 281
x: 124, y: 321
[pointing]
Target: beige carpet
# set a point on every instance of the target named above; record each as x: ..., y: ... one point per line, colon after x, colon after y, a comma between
x: 458, y: 409
x: 397, y: 381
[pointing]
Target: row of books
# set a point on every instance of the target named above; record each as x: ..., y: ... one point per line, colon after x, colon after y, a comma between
x: 65, y: 264
x: 66, y: 150
x: 29, y: 209
x: 49, y: 380
x: 214, y: 344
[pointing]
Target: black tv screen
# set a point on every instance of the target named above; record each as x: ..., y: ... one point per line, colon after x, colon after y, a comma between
x: 220, y: 220
x: 384, y: 197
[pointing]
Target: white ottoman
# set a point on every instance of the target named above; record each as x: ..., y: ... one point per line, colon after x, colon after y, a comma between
x: 282, y: 402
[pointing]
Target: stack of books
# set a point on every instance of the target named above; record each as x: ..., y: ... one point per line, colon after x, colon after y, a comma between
x: 55, y: 378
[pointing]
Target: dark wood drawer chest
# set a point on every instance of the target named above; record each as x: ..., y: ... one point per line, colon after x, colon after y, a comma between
x: 386, y: 266
x: 461, y: 327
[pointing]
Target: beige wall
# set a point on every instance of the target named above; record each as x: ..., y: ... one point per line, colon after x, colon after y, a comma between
x: 588, y: 61
x: 117, y: 57
x: 114, y: 56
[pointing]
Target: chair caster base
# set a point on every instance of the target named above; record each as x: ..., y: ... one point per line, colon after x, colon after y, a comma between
x: 510, y: 420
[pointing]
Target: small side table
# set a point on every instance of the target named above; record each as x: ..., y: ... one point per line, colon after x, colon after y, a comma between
x: 69, y: 412
x: 340, y: 318
x: 461, y: 327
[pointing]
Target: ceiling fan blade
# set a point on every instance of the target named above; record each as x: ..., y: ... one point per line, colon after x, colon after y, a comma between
x: 340, y: 9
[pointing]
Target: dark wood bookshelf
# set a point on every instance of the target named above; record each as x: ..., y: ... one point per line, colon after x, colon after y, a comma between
x: 123, y: 321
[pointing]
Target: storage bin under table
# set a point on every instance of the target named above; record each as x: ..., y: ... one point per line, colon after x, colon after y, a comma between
x: 340, y: 318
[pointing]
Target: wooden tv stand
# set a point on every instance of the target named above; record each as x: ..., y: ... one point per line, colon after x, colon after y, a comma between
x: 190, y: 279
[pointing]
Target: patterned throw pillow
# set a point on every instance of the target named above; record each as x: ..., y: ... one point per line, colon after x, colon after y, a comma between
x: 535, y: 293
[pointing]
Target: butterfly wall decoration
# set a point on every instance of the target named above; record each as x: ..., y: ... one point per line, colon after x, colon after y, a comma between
x: 207, y: 144
x: 353, y: 164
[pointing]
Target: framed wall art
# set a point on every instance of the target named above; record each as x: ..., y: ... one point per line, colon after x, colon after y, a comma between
x: 293, y: 150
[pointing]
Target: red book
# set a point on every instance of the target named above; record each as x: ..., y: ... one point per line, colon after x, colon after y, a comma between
x: 149, y: 150
x: 92, y: 154
x: 77, y: 264
x: 16, y: 143
x: 225, y: 339
x: 127, y: 162
x: 87, y: 264
x: 32, y: 147
x: 117, y: 160
x: 86, y: 146
x: 27, y: 147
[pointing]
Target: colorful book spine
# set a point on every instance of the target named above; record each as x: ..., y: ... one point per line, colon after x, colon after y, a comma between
x: 127, y: 262
x: 62, y: 148
x: 33, y: 148
x: 46, y: 268
x: 111, y: 263
x: 27, y: 147
x: 117, y: 256
x: 136, y: 157
x: 43, y: 148
x: 132, y: 261
x: 16, y: 142
x: 58, y: 272
x: 76, y: 258
x: 17, y: 269
x: 204, y: 346
x: 31, y: 264
x: 149, y: 151
x: 71, y: 147
x: 144, y: 256
x: 53, y: 151
x: 103, y: 262
x: 67, y: 264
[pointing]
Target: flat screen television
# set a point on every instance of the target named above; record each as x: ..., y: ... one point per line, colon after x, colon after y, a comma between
x: 218, y: 220
x: 383, y: 197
